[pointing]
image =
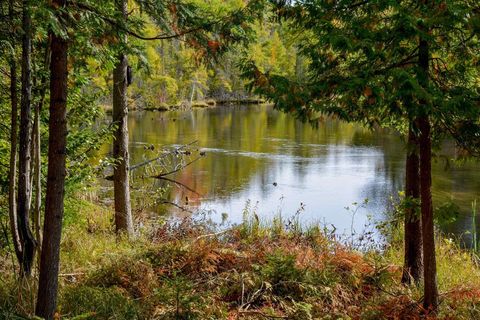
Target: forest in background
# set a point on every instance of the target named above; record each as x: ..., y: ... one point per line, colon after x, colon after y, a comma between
x: 408, y: 66
x: 173, y: 72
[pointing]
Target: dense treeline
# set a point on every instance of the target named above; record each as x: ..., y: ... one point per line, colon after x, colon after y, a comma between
x: 412, y: 66
x: 169, y: 73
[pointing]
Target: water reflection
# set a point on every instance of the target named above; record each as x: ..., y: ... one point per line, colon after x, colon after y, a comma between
x: 249, y: 148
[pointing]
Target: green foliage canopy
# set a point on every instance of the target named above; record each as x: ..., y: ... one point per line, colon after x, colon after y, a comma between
x: 364, y: 63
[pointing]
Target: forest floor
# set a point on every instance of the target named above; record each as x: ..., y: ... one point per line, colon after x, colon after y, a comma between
x: 190, y: 269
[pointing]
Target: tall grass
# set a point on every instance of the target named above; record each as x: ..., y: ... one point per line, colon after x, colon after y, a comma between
x: 277, y: 268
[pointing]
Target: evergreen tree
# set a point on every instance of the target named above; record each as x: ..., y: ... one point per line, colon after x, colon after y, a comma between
x: 388, y: 63
x: 57, y: 145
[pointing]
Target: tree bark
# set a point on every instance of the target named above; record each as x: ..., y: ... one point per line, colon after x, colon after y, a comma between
x: 54, y: 207
x: 37, y: 155
x: 413, y: 264
x: 428, y: 231
x: 37, y: 177
x: 23, y: 206
x: 430, y: 268
x: 123, y: 214
x: 12, y: 174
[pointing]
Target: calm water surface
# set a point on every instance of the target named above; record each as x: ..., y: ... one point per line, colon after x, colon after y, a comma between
x: 264, y: 159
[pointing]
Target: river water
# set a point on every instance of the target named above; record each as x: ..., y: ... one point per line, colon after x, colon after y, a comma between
x: 264, y: 160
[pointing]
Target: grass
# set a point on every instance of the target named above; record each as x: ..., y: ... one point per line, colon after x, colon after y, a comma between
x: 190, y: 269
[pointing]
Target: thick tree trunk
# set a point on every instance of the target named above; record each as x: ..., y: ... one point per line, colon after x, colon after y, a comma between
x: 57, y: 143
x: 429, y: 264
x: 23, y: 205
x: 413, y: 264
x: 123, y: 213
x: 12, y: 175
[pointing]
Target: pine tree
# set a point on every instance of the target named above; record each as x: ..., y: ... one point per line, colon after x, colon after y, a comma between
x: 390, y: 63
x: 57, y: 150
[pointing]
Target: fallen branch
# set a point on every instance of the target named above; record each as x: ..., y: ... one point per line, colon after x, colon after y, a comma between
x: 212, y: 234
x: 163, y: 201
x: 136, y: 166
x: 164, y: 155
x: 179, y: 184
x: 71, y: 274
x: 176, y: 170
x: 141, y: 164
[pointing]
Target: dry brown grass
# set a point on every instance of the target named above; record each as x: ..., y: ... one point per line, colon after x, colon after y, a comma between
x: 191, y: 270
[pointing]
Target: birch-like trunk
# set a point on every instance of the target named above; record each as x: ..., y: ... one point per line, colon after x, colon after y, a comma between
x: 23, y: 205
x: 12, y: 174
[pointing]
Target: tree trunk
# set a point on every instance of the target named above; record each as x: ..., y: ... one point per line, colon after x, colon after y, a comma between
x: 429, y: 263
x: 37, y: 177
x: 37, y: 155
x: 430, y: 269
x: 12, y: 174
x: 413, y: 264
x: 193, y: 91
x: 23, y: 207
x: 121, y: 187
x: 57, y: 143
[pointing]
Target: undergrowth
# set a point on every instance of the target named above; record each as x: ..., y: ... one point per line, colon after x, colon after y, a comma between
x: 190, y: 269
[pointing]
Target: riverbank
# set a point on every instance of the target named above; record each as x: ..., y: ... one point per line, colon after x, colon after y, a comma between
x: 202, y: 104
x: 191, y: 270
x: 187, y: 104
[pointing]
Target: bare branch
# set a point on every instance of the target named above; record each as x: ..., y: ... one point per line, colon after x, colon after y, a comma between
x: 179, y: 184
x: 138, y: 165
x: 176, y: 170
x: 164, y: 201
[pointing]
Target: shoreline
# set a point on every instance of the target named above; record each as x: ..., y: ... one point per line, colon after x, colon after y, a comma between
x: 199, y: 104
